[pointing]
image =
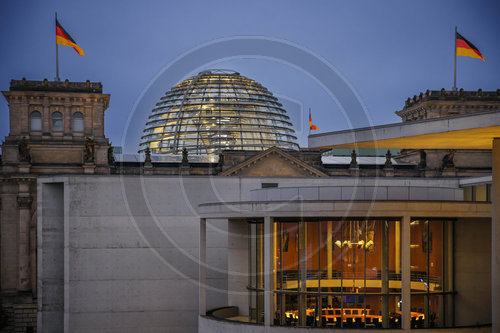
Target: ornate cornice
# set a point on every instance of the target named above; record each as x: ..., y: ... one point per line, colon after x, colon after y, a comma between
x: 17, y: 180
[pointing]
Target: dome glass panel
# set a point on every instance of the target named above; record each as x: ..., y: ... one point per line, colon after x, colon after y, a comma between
x: 217, y: 110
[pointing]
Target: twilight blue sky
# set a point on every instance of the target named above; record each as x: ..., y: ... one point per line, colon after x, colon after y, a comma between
x: 386, y: 50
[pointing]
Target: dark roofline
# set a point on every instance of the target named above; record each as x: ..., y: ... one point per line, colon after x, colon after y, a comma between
x: 56, y: 86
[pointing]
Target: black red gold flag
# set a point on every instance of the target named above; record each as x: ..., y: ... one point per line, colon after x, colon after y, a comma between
x: 466, y: 48
x: 64, y: 38
x: 311, y: 126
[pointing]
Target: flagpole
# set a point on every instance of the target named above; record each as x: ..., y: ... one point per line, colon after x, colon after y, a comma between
x: 309, y: 123
x: 455, y: 63
x: 57, y: 57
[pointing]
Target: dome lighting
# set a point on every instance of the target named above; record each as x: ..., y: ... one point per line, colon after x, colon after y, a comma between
x: 217, y: 110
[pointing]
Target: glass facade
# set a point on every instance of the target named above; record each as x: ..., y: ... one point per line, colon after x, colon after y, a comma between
x: 256, y: 276
x: 214, y: 111
x: 432, y: 272
x: 346, y: 273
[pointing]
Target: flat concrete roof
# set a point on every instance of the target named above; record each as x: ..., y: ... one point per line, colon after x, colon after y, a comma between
x: 470, y: 131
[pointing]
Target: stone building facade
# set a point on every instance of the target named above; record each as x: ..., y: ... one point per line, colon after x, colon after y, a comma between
x: 55, y: 128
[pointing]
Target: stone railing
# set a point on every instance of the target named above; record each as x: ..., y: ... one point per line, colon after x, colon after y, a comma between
x: 452, y: 95
x: 59, y: 86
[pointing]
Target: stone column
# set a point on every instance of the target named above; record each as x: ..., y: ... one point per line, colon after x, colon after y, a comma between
x: 24, y: 200
x: 405, y: 273
x: 495, y: 237
x: 202, y: 298
x: 268, y: 271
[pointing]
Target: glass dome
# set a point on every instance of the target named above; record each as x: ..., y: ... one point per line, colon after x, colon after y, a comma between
x: 217, y: 110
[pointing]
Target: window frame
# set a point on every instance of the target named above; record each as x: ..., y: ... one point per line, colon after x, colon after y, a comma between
x: 33, y: 118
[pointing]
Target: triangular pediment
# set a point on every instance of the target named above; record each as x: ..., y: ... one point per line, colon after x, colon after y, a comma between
x: 273, y: 162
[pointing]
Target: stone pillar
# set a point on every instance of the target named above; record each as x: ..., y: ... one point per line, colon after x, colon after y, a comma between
x: 24, y: 200
x: 268, y: 271
x: 495, y: 237
x: 202, y: 298
x: 405, y: 273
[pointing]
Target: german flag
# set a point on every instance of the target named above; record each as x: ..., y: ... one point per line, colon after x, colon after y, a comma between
x: 311, y: 126
x: 63, y: 38
x: 466, y: 48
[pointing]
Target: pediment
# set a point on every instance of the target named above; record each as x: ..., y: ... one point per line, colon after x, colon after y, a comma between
x: 273, y: 162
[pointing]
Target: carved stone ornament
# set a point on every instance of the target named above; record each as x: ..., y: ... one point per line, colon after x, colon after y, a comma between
x: 185, y: 161
x: 24, y: 201
x: 354, y: 162
x: 24, y: 151
x: 147, y: 157
x: 89, y: 152
x: 111, y: 157
x: 423, y: 160
x: 448, y: 160
x: 388, y: 160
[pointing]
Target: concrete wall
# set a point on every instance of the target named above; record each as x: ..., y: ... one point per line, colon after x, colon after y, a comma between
x: 217, y: 258
x: 472, y: 244
x: 133, y: 251
x: 51, y: 258
x: 238, y: 264
x: 134, y: 258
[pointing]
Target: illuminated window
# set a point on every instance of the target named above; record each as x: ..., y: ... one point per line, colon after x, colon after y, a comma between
x: 477, y: 193
x: 57, y: 121
x: 431, y: 273
x: 333, y: 273
x: 36, y: 121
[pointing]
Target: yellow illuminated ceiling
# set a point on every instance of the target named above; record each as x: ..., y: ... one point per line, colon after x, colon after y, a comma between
x: 476, y: 138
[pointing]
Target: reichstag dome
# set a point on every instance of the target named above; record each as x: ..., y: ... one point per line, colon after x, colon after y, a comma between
x: 217, y: 110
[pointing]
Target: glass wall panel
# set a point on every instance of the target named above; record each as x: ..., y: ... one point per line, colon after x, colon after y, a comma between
x: 431, y: 273
x: 373, y: 313
x: 338, y: 273
x: 256, y: 276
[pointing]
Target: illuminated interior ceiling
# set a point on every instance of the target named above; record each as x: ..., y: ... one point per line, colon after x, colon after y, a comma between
x: 217, y: 110
x: 478, y: 138
x: 471, y: 131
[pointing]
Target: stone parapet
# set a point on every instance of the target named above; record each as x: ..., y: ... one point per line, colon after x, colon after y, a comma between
x: 441, y: 103
x: 56, y: 86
